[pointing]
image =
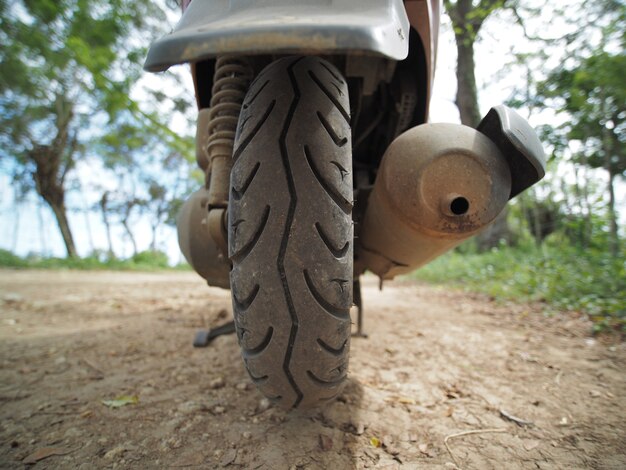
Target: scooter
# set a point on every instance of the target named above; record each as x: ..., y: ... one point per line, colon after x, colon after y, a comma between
x: 320, y: 164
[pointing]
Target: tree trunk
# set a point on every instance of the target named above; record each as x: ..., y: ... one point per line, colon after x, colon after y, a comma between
x: 467, y: 93
x: 52, y: 162
x: 131, y: 237
x: 107, y: 225
x: 42, y: 230
x: 153, y: 244
x: 614, y: 236
x: 60, y: 213
x: 16, y: 229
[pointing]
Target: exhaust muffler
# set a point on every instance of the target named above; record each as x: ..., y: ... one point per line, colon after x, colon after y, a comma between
x: 438, y: 184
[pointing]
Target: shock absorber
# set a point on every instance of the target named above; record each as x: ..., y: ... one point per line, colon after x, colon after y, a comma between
x: 230, y: 83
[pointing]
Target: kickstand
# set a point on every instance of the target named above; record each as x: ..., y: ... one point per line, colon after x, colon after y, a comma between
x: 358, y: 301
x: 204, y: 337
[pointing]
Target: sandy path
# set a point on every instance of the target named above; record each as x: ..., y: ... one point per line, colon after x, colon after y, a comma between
x: 437, y: 363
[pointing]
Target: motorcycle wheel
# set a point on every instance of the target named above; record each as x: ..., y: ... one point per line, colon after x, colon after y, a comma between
x: 290, y: 231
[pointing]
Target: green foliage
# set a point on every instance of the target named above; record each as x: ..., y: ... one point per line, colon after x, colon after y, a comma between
x: 9, y: 260
x: 143, y: 261
x: 593, y: 95
x: 157, y: 259
x: 73, y: 51
x: 590, y: 281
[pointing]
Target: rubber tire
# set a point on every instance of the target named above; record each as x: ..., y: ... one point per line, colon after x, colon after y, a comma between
x: 290, y: 232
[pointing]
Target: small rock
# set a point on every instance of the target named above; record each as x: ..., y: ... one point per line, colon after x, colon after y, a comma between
x: 594, y: 393
x: 115, y: 453
x: 60, y: 360
x: 247, y: 434
x: 191, y: 407
x: 360, y: 429
x: 531, y: 444
x: 216, y: 383
x: 73, y: 432
x: 229, y: 457
x: 243, y: 386
x: 277, y: 418
x: 12, y: 298
x: 325, y: 442
x: 218, y: 410
x: 392, y: 450
x: 263, y: 405
x: 172, y: 443
x: 302, y: 462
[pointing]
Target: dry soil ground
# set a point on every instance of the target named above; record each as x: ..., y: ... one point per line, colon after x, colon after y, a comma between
x: 444, y: 380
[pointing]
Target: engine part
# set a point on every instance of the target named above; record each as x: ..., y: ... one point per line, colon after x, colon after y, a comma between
x: 438, y: 184
x: 196, y: 243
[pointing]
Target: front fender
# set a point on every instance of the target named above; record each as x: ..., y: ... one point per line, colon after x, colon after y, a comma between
x: 214, y: 27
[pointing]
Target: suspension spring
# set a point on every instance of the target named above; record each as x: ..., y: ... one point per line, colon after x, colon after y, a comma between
x: 230, y: 83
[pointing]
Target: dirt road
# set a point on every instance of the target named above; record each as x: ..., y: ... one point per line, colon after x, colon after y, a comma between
x: 443, y: 380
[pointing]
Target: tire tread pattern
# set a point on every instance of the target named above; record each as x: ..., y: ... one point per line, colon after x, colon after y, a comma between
x: 290, y: 232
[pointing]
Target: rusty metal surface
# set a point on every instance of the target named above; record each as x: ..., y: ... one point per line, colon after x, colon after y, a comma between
x: 211, y: 28
x: 438, y: 184
x: 196, y: 243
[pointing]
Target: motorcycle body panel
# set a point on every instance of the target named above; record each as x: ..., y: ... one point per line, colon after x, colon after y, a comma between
x: 320, y: 27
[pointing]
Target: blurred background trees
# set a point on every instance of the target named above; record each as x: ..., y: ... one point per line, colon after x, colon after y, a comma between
x: 83, y: 129
x: 68, y: 86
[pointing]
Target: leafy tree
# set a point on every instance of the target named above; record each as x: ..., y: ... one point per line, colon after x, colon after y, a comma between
x: 66, y: 67
x: 589, y: 90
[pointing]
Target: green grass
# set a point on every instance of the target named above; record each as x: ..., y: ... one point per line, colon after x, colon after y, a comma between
x: 143, y: 261
x: 565, y: 278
